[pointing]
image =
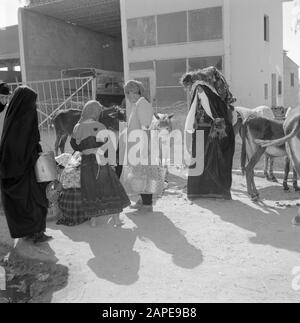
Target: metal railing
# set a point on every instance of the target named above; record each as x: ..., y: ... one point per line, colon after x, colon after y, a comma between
x: 58, y: 94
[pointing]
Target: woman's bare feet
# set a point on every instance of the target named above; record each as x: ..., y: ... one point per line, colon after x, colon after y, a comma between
x: 117, y: 221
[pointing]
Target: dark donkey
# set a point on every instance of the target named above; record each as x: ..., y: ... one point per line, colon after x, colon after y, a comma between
x: 65, y: 120
x: 291, y: 139
x: 249, y: 145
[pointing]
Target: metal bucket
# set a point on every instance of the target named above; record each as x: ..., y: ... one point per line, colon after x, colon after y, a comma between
x: 45, y: 167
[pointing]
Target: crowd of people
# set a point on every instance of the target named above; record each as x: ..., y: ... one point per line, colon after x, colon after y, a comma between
x: 101, y: 191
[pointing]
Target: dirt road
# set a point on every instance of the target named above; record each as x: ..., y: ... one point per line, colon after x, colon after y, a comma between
x: 209, y: 251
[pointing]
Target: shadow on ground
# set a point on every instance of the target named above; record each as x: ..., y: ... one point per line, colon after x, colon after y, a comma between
x: 271, y: 224
x: 115, y: 258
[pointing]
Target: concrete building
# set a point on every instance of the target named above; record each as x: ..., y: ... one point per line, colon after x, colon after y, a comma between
x: 157, y: 41
x: 291, y: 82
x: 9, y: 54
x: 56, y: 35
x: 243, y: 38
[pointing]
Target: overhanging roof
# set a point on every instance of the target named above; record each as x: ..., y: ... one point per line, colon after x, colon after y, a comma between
x: 98, y: 15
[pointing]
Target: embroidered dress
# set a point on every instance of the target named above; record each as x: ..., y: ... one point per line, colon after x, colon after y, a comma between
x: 101, y: 190
x: 70, y: 204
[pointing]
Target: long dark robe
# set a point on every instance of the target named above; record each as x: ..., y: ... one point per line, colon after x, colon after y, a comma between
x: 24, y: 200
x: 101, y: 190
x: 216, y: 180
x: 2, y: 107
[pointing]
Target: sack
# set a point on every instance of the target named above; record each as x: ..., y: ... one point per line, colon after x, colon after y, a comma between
x: 45, y: 168
x: 135, y: 180
x: 155, y: 180
x: 70, y: 177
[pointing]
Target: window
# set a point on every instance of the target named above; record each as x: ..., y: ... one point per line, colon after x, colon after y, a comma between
x: 17, y: 68
x: 148, y: 65
x: 292, y: 79
x: 169, y: 72
x: 266, y: 28
x: 279, y: 87
x: 206, y: 24
x: 166, y: 97
x: 3, y: 69
x: 202, y: 62
x: 266, y: 92
x: 172, y: 28
x: 141, y: 32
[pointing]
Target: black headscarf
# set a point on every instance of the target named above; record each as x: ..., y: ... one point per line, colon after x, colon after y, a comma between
x: 19, y: 148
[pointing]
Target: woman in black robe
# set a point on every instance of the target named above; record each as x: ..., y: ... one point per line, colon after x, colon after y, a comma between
x: 24, y: 200
x: 212, y: 114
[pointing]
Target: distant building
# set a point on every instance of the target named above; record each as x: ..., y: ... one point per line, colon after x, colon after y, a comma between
x: 291, y: 82
x: 157, y: 41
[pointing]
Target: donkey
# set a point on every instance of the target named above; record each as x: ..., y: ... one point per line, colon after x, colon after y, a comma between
x: 265, y: 112
x: 256, y: 128
x: 291, y: 139
x: 65, y: 120
x: 163, y: 122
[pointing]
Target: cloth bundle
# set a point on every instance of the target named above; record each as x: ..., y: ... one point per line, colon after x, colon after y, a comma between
x: 70, y: 176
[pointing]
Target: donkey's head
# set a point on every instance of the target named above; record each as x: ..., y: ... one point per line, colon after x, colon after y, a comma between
x: 163, y: 121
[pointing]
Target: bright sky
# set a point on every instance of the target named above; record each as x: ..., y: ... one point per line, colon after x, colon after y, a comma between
x: 291, y: 41
x: 9, y: 12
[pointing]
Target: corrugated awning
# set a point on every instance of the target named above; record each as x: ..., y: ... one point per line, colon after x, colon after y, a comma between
x: 98, y: 15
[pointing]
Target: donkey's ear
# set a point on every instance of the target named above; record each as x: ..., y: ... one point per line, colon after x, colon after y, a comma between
x: 156, y: 116
x: 171, y: 116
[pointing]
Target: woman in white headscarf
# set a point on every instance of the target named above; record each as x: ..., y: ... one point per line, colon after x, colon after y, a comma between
x: 101, y: 190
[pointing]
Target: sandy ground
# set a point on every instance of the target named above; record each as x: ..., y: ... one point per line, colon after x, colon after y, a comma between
x: 208, y: 251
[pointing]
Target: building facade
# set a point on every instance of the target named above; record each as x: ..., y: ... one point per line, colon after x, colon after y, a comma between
x: 164, y: 39
x: 291, y: 82
x: 157, y: 41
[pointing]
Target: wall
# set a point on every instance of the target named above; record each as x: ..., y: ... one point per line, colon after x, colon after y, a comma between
x: 9, y: 43
x: 291, y: 94
x: 50, y: 45
x: 10, y: 77
x: 252, y: 59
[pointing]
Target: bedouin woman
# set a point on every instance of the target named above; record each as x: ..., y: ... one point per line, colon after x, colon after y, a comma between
x: 24, y: 200
x: 211, y: 112
x: 101, y: 190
